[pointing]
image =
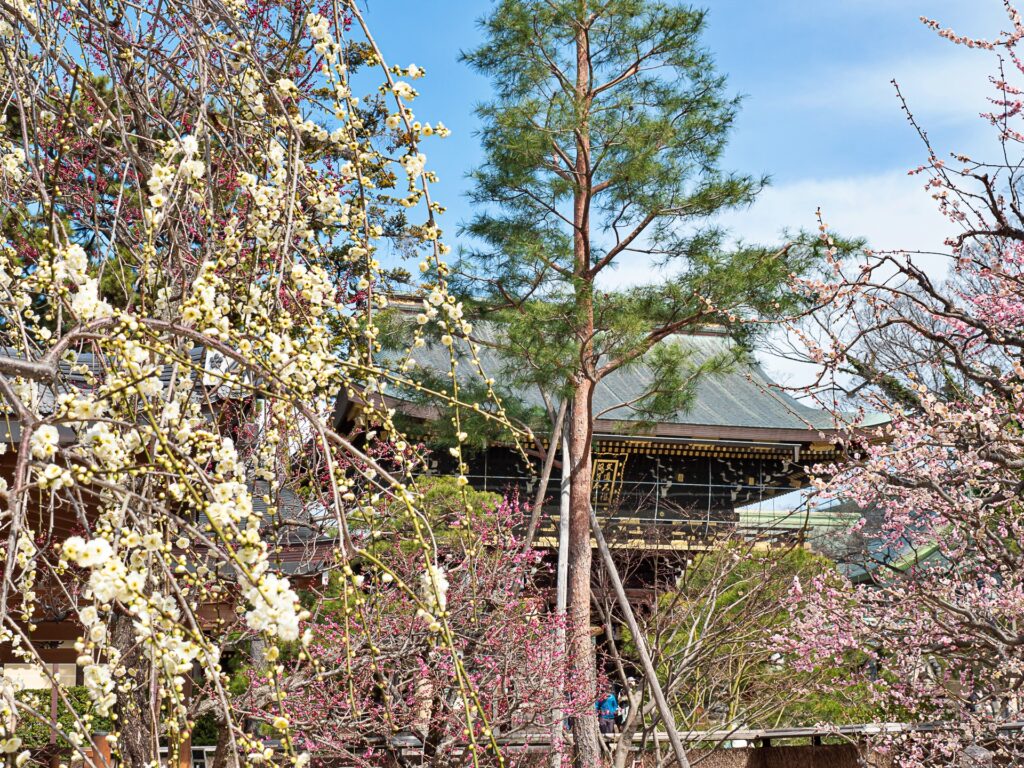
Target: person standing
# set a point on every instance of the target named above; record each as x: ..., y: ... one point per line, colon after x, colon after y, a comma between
x: 607, y: 709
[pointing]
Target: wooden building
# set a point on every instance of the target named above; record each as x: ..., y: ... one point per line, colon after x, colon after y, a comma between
x: 674, y: 484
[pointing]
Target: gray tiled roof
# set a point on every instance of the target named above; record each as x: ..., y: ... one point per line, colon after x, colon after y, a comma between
x: 88, y: 367
x: 873, y: 551
x: 743, y: 396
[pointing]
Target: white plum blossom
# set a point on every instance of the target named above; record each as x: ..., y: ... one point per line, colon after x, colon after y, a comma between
x: 55, y: 477
x: 434, y: 582
x: 71, y: 264
x: 221, y: 230
x: 43, y: 443
x: 414, y: 164
x: 319, y: 27
x: 160, y: 178
x: 87, y: 615
x: 275, y: 607
x: 403, y: 90
x: 189, y: 145
x: 87, y: 303
x: 100, y: 685
x: 12, y: 163
x: 95, y: 553
x: 193, y: 170
x: 286, y: 87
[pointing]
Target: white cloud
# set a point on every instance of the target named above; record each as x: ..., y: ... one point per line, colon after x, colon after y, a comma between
x: 891, y: 210
x: 951, y: 85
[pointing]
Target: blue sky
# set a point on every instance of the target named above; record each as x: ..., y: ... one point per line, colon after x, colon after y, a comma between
x: 820, y: 116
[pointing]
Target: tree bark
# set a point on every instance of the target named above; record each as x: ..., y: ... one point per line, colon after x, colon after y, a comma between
x: 545, y: 477
x: 135, y: 707
x: 224, y: 756
x: 561, y: 599
x: 582, y: 661
x: 641, y: 645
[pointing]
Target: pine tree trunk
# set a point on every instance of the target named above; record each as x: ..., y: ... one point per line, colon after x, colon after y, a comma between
x: 582, y: 660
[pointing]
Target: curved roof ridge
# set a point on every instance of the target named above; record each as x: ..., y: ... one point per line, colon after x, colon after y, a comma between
x: 743, y: 396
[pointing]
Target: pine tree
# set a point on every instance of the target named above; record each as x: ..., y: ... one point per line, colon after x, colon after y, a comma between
x: 603, y: 144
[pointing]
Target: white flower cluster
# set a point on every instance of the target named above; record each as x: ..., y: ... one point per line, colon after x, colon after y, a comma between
x: 110, y: 450
x: 453, y: 313
x: 328, y: 203
x: 110, y: 579
x: 319, y: 27
x: 404, y: 91
x: 95, y: 553
x: 414, y: 164
x: 287, y: 88
x: 434, y: 591
x: 326, y: 46
x: 72, y: 264
x: 54, y: 477
x: 434, y: 582
x: 138, y: 365
x: 232, y: 504
x: 12, y: 161
x: 160, y: 179
x: 268, y: 195
x: 123, y: 575
x: 275, y: 606
x: 99, y: 683
x: 11, y: 745
x: 252, y: 93
x: 180, y: 162
x: 80, y: 406
x: 313, y: 284
x: 26, y: 551
x: 208, y: 307
x: 9, y: 741
x: 87, y: 303
x: 43, y: 443
x: 274, y: 197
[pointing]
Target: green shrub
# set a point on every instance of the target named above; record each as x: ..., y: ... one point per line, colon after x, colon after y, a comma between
x: 35, y: 731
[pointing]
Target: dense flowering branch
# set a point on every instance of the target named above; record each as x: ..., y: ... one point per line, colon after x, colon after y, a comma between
x: 938, y: 601
x: 192, y: 201
x: 375, y: 673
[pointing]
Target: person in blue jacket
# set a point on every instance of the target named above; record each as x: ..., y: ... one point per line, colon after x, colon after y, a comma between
x: 607, y: 709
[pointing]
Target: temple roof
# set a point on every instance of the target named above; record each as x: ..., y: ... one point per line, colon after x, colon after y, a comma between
x: 866, y: 550
x: 86, y: 367
x: 740, y: 403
